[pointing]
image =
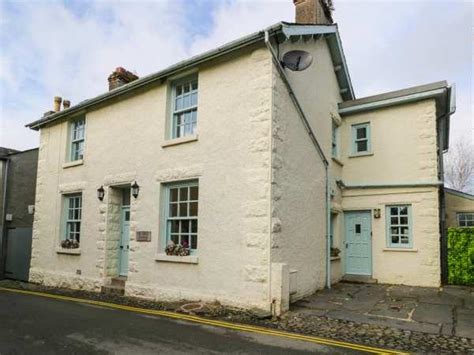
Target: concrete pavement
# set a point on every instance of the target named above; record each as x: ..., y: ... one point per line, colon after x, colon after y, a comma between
x: 32, y: 324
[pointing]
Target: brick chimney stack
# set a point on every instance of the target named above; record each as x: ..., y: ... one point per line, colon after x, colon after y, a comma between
x: 313, y: 12
x: 120, y: 77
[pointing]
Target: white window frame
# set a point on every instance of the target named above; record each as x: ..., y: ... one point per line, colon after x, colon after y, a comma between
x: 184, y: 116
x: 77, y: 135
x: 465, y: 221
x: 356, y: 140
x: 399, y: 225
x: 72, y: 220
x: 170, y: 222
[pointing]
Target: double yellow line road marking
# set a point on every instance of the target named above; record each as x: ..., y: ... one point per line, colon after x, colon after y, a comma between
x: 215, y: 323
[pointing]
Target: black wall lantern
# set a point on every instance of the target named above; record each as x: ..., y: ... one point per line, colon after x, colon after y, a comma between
x: 100, y: 193
x: 135, y: 189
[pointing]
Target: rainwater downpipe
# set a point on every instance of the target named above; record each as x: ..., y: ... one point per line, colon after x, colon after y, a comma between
x: 316, y: 144
x: 3, y: 237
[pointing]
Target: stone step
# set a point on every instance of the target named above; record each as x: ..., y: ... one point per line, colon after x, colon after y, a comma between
x: 359, y: 279
x: 113, y: 290
x: 118, y: 281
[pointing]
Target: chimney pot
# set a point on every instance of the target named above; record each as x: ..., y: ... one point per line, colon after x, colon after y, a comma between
x: 57, y: 103
x: 313, y: 12
x: 119, y: 77
x: 66, y: 104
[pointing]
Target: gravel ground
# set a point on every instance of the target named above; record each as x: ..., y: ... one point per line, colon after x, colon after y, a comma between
x: 321, y: 326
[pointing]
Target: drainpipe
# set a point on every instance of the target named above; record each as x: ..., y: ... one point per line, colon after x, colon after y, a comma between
x: 316, y: 144
x: 3, y: 237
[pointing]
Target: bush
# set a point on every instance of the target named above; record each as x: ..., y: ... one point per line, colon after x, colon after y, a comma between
x: 461, y: 256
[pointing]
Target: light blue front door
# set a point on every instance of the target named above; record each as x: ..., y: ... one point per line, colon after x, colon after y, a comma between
x: 124, y: 241
x: 358, y: 253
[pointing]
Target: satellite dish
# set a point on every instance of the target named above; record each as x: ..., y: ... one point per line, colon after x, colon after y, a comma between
x: 297, y: 60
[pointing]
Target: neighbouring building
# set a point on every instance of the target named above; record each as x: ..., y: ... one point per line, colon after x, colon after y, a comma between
x: 17, y: 199
x: 256, y: 159
x: 459, y: 208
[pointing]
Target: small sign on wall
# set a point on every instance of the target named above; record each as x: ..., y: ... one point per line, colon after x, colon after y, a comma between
x: 143, y: 236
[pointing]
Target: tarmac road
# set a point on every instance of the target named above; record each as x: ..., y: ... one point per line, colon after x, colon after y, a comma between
x: 31, y: 324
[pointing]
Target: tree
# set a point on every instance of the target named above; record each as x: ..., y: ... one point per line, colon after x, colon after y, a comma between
x: 459, y: 166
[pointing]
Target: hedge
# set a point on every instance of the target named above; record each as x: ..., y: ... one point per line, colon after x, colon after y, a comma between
x: 461, y: 256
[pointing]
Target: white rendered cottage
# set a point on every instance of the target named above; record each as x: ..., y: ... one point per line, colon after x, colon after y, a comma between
x: 259, y: 171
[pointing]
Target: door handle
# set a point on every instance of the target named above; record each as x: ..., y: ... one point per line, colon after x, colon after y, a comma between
x: 128, y: 247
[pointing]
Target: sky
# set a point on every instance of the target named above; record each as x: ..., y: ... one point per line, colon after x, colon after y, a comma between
x: 68, y: 48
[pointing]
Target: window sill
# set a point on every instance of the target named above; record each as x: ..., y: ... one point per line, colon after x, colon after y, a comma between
x: 73, y: 163
x: 406, y: 250
x: 337, y: 161
x: 76, y: 251
x: 335, y: 258
x: 190, y: 259
x: 365, y: 154
x: 181, y: 140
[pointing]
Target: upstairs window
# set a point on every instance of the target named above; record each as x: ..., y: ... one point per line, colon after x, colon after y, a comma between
x: 361, y: 138
x: 399, y: 229
x: 466, y: 219
x: 334, y: 144
x: 185, y: 107
x: 72, y: 219
x: 77, y: 133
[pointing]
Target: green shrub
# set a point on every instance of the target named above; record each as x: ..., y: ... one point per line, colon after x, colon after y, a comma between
x: 461, y: 256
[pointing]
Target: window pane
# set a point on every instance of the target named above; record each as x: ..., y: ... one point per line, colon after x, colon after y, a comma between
x: 193, y: 241
x: 193, y: 209
x: 183, y: 194
x: 194, y: 193
x: 357, y: 228
x: 175, y: 238
x: 361, y: 133
x: 404, y: 211
x: 404, y: 239
x: 404, y: 220
x: 185, y: 241
x: 394, y: 230
x: 395, y: 239
x: 187, y: 101
x: 185, y: 227
x: 173, y: 195
x: 194, y: 226
x: 173, y: 210
x: 174, y: 226
x: 361, y: 146
x: 394, y: 220
x: 394, y: 211
x: 195, y: 85
x: 404, y: 230
x: 183, y: 209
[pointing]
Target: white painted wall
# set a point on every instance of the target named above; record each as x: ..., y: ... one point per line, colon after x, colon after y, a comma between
x: 231, y: 160
x: 404, y: 151
x: 298, y: 178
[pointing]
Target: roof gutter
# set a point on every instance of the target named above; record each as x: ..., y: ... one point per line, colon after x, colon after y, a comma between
x: 391, y: 102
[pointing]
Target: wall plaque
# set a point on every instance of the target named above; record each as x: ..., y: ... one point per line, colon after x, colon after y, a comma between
x: 143, y: 236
